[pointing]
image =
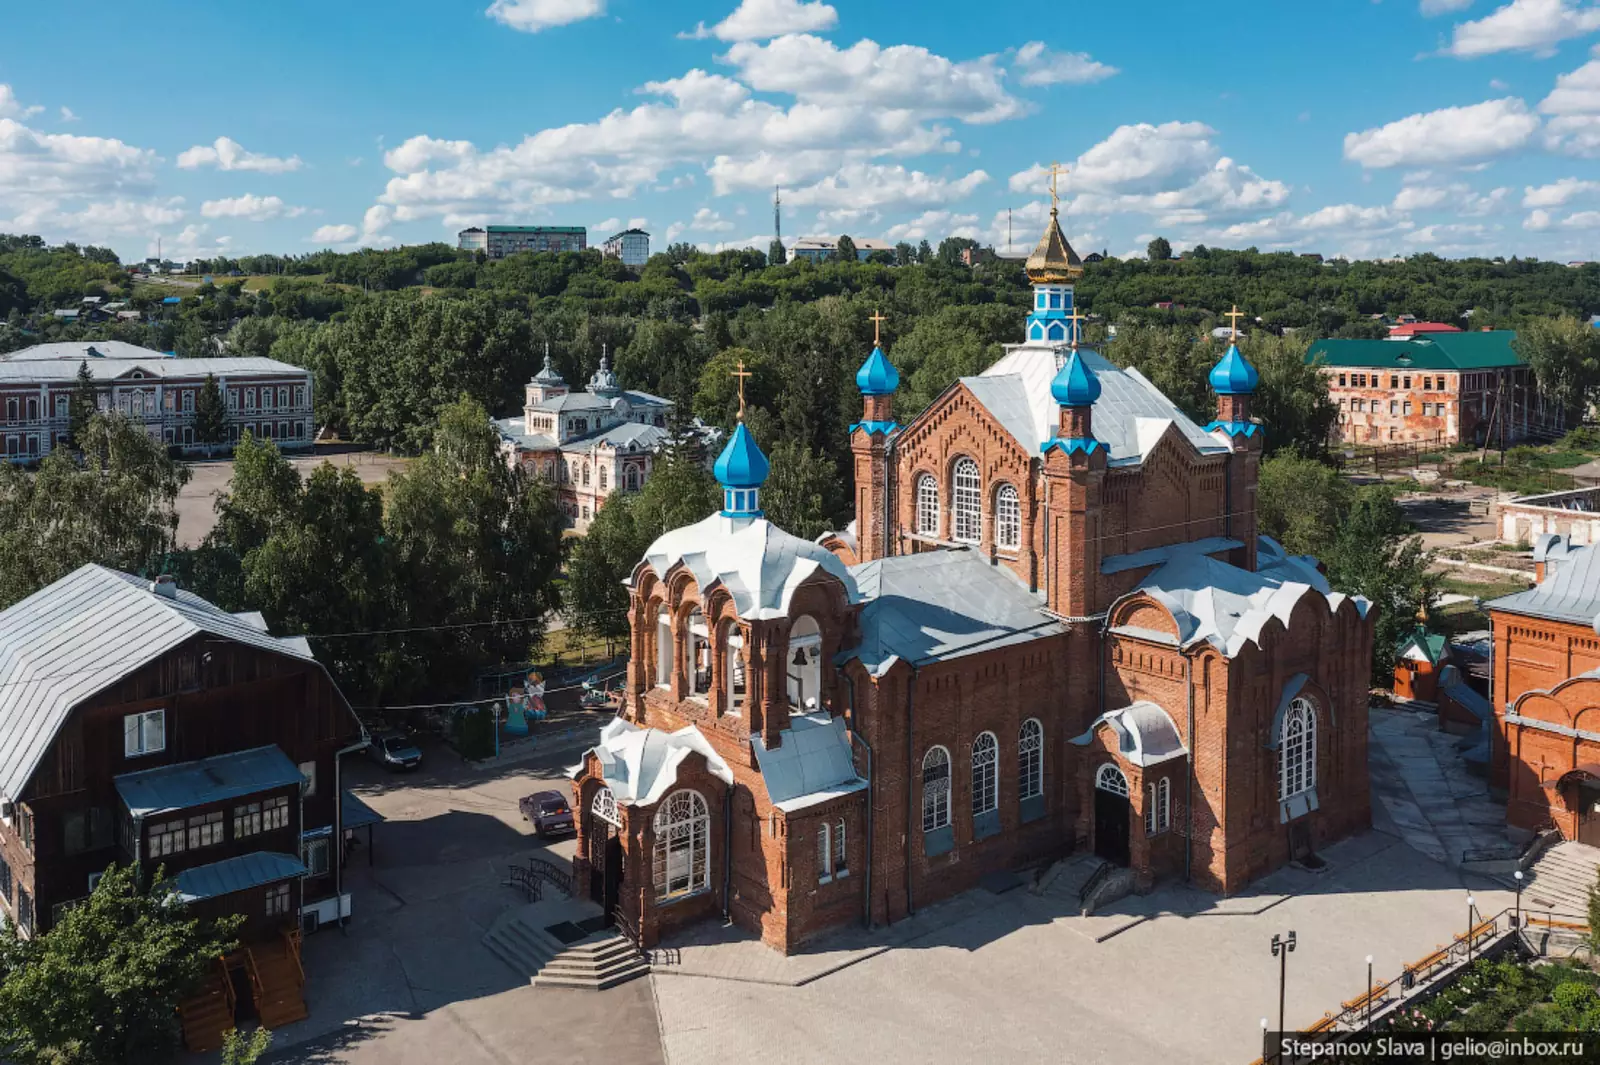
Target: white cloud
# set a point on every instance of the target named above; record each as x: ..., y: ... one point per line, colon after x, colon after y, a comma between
x: 1453, y: 135
x: 1537, y: 220
x: 934, y: 226
x: 675, y: 230
x: 250, y: 208
x: 861, y: 191
x: 334, y: 234
x: 377, y: 218
x: 1535, y: 26
x: 1443, y: 7
x: 1558, y: 193
x: 1582, y: 220
x: 227, y: 154
x: 757, y: 20
x: 192, y: 243
x: 531, y: 16
x: 1462, y: 198
x: 418, y: 152
x: 708, y: 221
x: 1542, y: 220
x: 11, y: 107
x: 36, y: 165
x: 1040, y: 66
x: 1574, y: 107
x: 67, y: 115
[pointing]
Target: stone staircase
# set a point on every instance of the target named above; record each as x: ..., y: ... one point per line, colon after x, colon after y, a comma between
x: 1560, y: 880
x: 1065, y: 881
x: 520, y: 937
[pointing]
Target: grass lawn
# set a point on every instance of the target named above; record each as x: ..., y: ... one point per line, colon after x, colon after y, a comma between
x: 1482, y: 589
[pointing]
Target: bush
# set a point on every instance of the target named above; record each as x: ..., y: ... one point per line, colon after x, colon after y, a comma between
x: 1583, y: 438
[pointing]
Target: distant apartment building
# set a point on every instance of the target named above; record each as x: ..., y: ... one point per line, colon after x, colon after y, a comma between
x: 1436, y: 388
x: 499, y: 241
x: 819, y: 249
x: 632, y: 246
x: 267, y: 398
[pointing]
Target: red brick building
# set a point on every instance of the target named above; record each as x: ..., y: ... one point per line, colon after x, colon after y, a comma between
x: 1051, y: 627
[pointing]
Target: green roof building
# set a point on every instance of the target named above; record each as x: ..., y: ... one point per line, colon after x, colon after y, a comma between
x: 1436, y: 390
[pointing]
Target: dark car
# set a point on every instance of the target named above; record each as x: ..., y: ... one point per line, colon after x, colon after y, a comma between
x: 548, y: 812
x: 394, y: 750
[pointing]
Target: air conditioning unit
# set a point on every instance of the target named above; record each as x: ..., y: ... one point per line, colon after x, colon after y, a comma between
x: 94, y: 881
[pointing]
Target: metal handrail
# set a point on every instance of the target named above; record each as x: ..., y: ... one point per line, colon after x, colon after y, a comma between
x: 561, y: 880
x: 1094, y: 881
x: 227, y: 986
x: 520, y: 876
x: 625, y: 924
x: 291, y: 946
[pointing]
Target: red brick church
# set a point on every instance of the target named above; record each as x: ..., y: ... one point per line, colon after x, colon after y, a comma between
x: 1051, y: 628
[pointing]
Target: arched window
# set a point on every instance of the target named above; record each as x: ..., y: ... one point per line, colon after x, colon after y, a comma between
x: 630, y: 479
x: 1297, y: 750
x: 935, y: 789
x: 1110, y: 778
x: 805, y: 663
x: 682, y: 857
x: 697, y: 653
x: 1030, y: 759
x: 927, y: 506
x: 1007, y: 519
x: 663, y: 646
x: 1157, y: 806
x: 733, y: 683
x: 605, y: 807
x: 602, y: 476
x: 586, y: 475
x: 968, y: 503
x: 985, y: 763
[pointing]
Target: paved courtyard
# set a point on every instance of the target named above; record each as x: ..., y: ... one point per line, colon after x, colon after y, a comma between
x: 197, y: 502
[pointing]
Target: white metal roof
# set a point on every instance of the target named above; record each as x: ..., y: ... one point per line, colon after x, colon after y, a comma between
x: 811, y: 763
x: 640, y: 765
x: 759, y: 564
x: 65, y: 643
x: 78, y: 350
x: 1146, y: 734
x: 152, y: 364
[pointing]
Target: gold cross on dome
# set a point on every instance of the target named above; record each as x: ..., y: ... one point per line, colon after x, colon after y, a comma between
x: 1075, y: 318
x: 740, y: 374
x: 1234, y: 316
x: 1056, y: 170
x: 877, y: 319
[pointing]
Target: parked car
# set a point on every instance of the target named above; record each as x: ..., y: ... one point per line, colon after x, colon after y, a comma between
x: 394, y: 750
x: 595, y: 699
x: 548, y: 812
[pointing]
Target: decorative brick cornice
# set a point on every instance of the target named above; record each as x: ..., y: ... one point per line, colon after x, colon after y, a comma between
x: 1086, y: 445
x: 886, y: 428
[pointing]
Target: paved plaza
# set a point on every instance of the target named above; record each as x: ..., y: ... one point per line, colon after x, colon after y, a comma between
x: 1173, y: 977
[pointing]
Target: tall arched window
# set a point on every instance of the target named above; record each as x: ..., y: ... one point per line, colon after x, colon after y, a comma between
x: 985, y: 763
x: 663, y: 646
x: 733, y: 681
x: 602, y: 476
x: 805, y: 663
x: 1297, y: 750
x: 605, y: 807
x: 1030, y: 759
x: 697, y: 653
x: 1007, y: 519
x: 967, y: 503
x: 1157, y: 806
x: 935, y: 789
x: 1110, y: 778
x: 682, y: 857
x: 927, y: 506
x: 586, y: 475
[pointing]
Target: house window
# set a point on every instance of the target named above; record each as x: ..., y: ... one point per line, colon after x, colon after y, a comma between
x: 630, y: 479
x: 682, y: 854
x: 824, y: 853
x: 283, y: 398
x: 24, y: 910
x: 586, y: 475
x: 188, y: 401
x: 1157, y: 807
x: 602, y: 477
x: 927, y: 505
x: 167, y: 838
x: 144, y: 733
x: 1030, y: 759
x: 86, y: 830
x: 62, y: 409
x: 1297, y: 750
x: 205, y: 830
x: 247, y: 820
x: 1407, y: 382
x: 1007, y: 519
x: 1342, y: 380
x: 25, y: 827
x: 841, y: 858
x: 1406, y: 407
x: 605, y: 807
x: 1394, y: 406
x: 968, y: 501
x: 308, y: 771
x: 1109, y: 778
x: 985, y: 760
x: 5, y: 881
x: 278, y: 899
x: 935, y: 789
x: 314, y: 852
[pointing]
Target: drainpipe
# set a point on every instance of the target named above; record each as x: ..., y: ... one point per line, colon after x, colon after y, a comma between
x: 872, y: 785
x: 727, y: 849
x: 889, y: 539
x: 338, y: 826
x: 1188, y: 801
x: 911, y: 704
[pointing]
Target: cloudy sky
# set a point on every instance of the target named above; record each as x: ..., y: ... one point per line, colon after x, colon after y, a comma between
x: 1357, y: 127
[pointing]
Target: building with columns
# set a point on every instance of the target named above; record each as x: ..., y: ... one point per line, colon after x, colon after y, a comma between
x: 1052, y: 629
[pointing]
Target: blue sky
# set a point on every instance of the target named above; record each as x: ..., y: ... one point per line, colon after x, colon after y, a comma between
x: 1340, y: 126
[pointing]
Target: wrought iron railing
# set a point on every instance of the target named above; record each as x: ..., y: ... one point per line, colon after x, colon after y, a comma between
x: 522, y: 878
x: 1099, y: 877
x: 531, y: 877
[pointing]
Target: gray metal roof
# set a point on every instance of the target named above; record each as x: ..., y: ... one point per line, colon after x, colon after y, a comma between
x: 811, y: 763
x: 1571, y: 592
x: 65, y: 643
x: 1129, y: 417
x: 943, y: 604
x: 1155, y: 555
x: 353, y: 813
x: 217, y: 779
x: 237, y: 874
x: 1146, y: 734
x: 154, y: 365
x: 629, y: 436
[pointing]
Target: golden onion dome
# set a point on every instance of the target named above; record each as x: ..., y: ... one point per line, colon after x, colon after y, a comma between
x: 1054, y: 261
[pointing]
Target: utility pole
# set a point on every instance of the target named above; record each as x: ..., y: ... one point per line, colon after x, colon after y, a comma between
x: 1008, y: 231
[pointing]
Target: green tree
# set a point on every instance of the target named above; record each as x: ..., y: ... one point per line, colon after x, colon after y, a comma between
x: 716, y: 399
x: 210, y: 415
x: 845, y: 251
x: 1300, y: 502
x: 1375, y: 555
x: 241, y: 1049
x: 1158, y: 250
x: 1292, y: 399
x: 804, y: 494
x: 777, y: 254
x: 83, y: 405
x: 1565, y: 356
x: 103, y: 986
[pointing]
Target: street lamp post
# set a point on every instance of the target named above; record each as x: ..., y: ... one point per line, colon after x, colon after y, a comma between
x: 1281, y: 949
x: 1369, y: 990
x: 1471, y: 919
x: 1264, y: 1038
x: 1518, y: 876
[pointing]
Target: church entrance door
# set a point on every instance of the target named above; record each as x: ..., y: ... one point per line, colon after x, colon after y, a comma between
x: 1588, y: 816
x: 1111, y: 815
x: 613, y: 881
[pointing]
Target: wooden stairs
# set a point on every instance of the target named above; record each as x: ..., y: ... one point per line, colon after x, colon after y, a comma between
x: 277, y: 984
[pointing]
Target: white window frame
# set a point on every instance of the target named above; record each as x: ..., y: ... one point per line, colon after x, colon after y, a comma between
x: 1030, y: 759
x: 824, y: 853
x: 1157, y: 807
x: 308, y: 773
x: 682, y: 851
x: 966, y: 501
x: 1109, y: 778
x: 935, y: 789
x: 1007, y: 518
x: 927, y: 505
x: 985, y: 773
x: 207, y: 829
x: 315, y: 853
x: 168, y: 838
x: 144, y: 733
x: 841, y: 852
x: 604, y: 806
x: 1297, y: 749
x: 279, y: 900
x: 665, y: 647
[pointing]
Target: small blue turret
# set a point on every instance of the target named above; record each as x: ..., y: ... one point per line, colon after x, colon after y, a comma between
x: 742, y: 470
x: 1075, y: 385
x: 1233, y: 375
x: 877, y: 376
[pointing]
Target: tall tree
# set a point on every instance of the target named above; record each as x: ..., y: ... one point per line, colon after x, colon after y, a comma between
x: 103, y: 986
x: 1375, y: 555
x: 1565, y: 355
x: 1158, y: 250
x: 1292, y: 399
x: 777, y: 254
x: 82, y: 405
x: 804, y: 494
x: 845, y: 251
x: 210, y: 415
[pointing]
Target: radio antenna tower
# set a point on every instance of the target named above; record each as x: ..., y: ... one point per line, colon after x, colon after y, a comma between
x: 777, y: 216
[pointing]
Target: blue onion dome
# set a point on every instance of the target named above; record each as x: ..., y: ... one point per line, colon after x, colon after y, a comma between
x: 741, y: 464
x: 877, y: 376
x: 1233, y: 376
x: 1075, y: 385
